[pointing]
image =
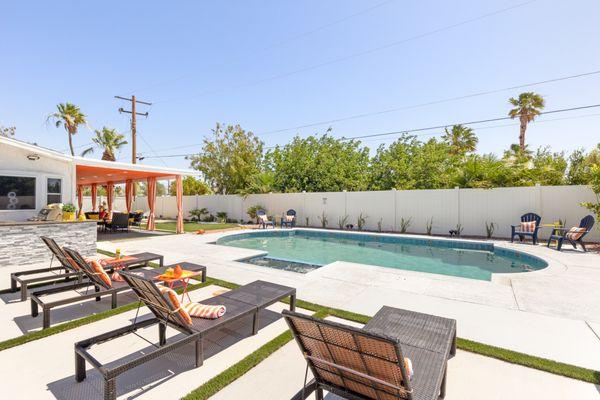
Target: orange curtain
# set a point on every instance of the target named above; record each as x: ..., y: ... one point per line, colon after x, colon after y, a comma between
x: 151, y: 186
x: 128, y: 195
x: 110, y: 194
x: 94, y: 195
x: 179, y: 192
x: 80, y: 200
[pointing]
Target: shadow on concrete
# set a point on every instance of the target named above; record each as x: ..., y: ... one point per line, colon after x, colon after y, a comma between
x: 145, y: 377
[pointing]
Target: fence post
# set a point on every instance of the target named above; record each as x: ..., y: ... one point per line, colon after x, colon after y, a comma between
x: 395, y: 209
x: 457, y: 189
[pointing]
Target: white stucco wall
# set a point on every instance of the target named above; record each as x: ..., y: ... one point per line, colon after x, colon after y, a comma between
x: 14, y: 162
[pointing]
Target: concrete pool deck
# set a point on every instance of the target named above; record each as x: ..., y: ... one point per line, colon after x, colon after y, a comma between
x: 553, y: 314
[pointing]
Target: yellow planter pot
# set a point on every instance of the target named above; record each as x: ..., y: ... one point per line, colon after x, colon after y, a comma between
x: 68, y: 216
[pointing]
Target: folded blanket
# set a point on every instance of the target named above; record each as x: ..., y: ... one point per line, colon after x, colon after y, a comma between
x: 204, y: 311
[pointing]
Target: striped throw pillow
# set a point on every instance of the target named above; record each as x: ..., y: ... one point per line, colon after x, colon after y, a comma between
x: 289, y: 218
x: 528, y: 226
x: 408, y: 367
x: 171, y: 296
x: 575, y: 233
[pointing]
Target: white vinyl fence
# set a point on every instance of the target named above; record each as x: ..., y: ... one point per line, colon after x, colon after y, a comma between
x: 471, y: 208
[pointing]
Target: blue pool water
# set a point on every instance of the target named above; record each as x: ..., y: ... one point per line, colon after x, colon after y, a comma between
x: 317, y: 248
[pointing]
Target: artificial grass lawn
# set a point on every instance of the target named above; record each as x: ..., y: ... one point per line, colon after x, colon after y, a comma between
x: 235, y: 371
x: 192, y: 226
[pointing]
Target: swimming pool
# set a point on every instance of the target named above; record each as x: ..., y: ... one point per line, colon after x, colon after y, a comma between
x: 315, y: 248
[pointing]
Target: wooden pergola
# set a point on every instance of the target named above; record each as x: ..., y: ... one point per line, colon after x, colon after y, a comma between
x: 94, y: 173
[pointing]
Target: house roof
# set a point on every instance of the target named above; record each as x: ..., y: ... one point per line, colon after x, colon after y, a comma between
x: 91, y: 170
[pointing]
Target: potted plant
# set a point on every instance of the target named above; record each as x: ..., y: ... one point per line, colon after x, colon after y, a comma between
x: 68, y: 212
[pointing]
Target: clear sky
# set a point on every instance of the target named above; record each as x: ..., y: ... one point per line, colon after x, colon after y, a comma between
x: 272, y: 65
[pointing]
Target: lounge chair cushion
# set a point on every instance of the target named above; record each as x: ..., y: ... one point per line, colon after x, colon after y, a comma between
x: 289, y: 218
x: 204, y: 310
x: 527, y: 226
x: 263, y: 218
x: 575, y: 233
x: 409, y: 368
x: 171, y: 296
x: 93, y: 217
x: 99, y: 270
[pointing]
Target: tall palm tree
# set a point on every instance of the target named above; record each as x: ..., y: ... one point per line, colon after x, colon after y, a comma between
x: 527, y: 106
x: 110, y: 140
x: 70, y: 116
x: 461, y: 139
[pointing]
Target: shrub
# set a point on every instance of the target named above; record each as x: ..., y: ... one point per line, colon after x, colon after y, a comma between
x: 222, y: 216
x: 429, y: 226
x: 69, y: 208
x: 379, y: 224
x: 197, y: 213
x: 324, y: 220
x: 342, y: 221
x: 360, y: 223
x: 489, y: 229
x: 404, y: 224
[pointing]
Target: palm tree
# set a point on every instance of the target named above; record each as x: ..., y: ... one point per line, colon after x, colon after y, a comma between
x: 110, y: 140
x: 70, y: 116
x: 527, y: 106
x: 461, y: 139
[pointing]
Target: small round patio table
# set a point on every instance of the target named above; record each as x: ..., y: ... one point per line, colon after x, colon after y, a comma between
x: 184, y: 278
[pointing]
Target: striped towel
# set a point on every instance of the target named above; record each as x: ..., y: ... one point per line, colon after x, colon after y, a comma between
x: 204, y: 311
x: 575, y: 233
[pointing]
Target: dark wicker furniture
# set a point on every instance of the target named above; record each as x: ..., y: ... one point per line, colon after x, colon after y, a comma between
x: 560, y: 234
x: 263, y: 223
x: 360, y: 364
x: 21, y: 281
x: 241, y: 302
x: 101, y: 289
x: 515, y: 230
x: 119, y: 222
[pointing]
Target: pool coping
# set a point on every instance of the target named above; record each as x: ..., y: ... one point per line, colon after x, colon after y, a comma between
x: 553, y: 266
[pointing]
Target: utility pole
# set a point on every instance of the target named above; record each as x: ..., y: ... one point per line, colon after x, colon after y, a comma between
x: 133, y: 113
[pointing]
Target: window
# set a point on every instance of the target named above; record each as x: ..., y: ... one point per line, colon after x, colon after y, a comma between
x: 54, y: 191
x: 17, y: 193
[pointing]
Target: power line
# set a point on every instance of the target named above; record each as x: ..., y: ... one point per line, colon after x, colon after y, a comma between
x: 429, y: 103
x: 152, y: 150
x: 361, y: 53
x: 277, y: 44
x: 415, y: 130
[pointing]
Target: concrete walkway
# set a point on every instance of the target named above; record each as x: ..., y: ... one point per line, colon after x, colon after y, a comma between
x: 553, y: 314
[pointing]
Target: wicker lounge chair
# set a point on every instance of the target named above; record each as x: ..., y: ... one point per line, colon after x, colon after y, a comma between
x: 285, y: 222
x: 242, y: 302
x: 360, y: 364
x: 22, y: 280
x: 263, y: 219
x: 517, y: 231
x: 101, y: 289
x: 562, y: 234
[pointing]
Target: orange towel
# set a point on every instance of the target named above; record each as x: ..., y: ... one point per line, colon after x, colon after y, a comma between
x: 204, y: 311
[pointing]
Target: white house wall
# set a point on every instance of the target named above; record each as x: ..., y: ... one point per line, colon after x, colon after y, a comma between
x: 13, y: 161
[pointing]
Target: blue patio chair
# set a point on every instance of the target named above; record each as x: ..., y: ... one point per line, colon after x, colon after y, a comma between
x: 517, y: 231
x: 263, y: 220
x: 573, y: 237
x: 287, y: 221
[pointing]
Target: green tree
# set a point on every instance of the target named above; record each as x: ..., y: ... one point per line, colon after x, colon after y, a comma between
x: 70, y: 117
x: 548, y: 168
x: 229, y: 159
x: 526, y: 107
x: 461, y: 139
x: 595, y: 185
x: 109, y: 140
x: 191, y: 187
x: 481, y: 171
x: 7, y: 131
x: 319, y: 164
x: 142, y: 189
x: 263, y: 182
x: 410, y: 164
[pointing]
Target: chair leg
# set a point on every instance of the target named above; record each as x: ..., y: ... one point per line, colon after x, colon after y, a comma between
x: 559, y: 244
x: 319, y: 393
x: 79, y: 368
x: 34, y: 309
x: 110, y: 389
x: 162, y: 334
x: 97, y: 289
x: 23, y: 291
x: 293, y: 302
x: 199, y: 353
x: 255, y: 324
x: 113, y: 300
x: 583, y: 247
x: 46, y: 318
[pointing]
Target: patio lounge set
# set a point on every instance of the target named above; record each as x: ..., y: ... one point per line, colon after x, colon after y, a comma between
x: 399, y: 354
